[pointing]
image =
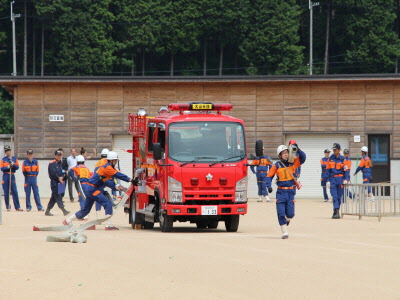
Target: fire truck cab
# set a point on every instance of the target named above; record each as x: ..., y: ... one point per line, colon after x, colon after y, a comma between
x: 191, y: 162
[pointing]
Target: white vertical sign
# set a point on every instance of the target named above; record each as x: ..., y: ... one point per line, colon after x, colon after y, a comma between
x: 56, y: 118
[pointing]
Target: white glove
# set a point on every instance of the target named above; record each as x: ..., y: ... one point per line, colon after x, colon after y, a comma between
x: 344, y: 181
x: 345, y: 168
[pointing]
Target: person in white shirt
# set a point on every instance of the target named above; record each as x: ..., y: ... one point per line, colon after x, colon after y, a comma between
x: 71, y: 160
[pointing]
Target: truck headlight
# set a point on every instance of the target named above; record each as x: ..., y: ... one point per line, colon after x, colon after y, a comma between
x: 241, y: 190
x: 174, y: 190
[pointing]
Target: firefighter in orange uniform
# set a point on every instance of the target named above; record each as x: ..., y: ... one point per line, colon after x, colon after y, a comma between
x: 365, y: 167
x: 336, y: 170
x: 263, y: 164
x: 286, y: 182
x: 93, y: 190
x: 30, y: 169
x: 111, y: 183
x: 82, y: 173
x: 9, y: 164
x: 324, y: 178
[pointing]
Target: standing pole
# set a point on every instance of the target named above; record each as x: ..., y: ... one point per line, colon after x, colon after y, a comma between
x: 14, y: 47
x: 12, y: 151
x: 13, y: 16
x: 310, y: 6
x: 25, y: 43
x: 42, y: 54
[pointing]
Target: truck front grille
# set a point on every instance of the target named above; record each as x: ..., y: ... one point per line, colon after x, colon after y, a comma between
x: 208, y: 202
x: 207, y: 197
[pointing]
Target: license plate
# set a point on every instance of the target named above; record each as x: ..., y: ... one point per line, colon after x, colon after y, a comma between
x: 209, y: 210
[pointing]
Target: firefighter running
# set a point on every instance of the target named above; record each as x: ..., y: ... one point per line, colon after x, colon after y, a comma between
x: 286, y: 183
x: 93, y: 190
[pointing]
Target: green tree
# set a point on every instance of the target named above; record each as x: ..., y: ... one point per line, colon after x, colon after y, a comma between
x: 368, y: 34
x: 137, y: 29
x: 80, y: 35
x: 6, y: 112
x: 221, y: 22
x: 271, y: 38
x: 180, y: 30
x: 5, y: 47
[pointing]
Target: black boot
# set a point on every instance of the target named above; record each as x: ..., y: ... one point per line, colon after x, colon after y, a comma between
x: 48, y: 213
x: 336, y: 214
x: 65, y: 212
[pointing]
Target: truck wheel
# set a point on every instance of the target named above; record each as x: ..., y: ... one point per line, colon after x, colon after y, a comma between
x: 134, y: 217
x: 213, y: 225
x: 166, y: 222
x: 232, y: 223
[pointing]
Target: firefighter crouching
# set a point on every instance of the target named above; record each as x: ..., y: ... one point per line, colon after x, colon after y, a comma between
x: 263, y: 164
x: 82, y: 173
x: 109, y: 183
x: 336, y: 170
x: 286, y: 183
x: 93, y: 190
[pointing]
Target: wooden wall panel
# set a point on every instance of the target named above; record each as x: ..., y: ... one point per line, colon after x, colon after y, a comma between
x: 269, y: 110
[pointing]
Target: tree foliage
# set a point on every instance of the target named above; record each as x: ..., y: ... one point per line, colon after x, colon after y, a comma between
x: 271, y: 38
x: 153, y: 37
x: 82, y: 30
x: 6, y: 113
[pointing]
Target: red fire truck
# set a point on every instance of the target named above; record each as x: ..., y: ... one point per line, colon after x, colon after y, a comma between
x: 192, y: 164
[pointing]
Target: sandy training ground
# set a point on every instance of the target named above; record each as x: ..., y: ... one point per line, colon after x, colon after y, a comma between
x: 322, y: 259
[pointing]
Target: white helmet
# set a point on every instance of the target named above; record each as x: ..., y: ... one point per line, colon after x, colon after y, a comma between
x: 112, y: 155
x: 104, y: 152
x: 280, y: 149
x: 364, y: 149
x: 80, y: 158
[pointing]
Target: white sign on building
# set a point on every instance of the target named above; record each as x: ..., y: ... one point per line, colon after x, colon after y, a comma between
x: 56, y: 118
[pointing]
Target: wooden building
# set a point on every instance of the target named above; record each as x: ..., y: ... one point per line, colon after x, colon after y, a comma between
x: 316, y: 110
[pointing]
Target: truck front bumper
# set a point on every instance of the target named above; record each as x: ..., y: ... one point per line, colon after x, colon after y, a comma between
x: 197, y: 210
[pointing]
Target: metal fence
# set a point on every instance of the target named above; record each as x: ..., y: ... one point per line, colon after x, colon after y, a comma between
x: 371, y: 200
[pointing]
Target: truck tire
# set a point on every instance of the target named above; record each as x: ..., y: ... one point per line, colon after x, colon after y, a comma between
x: 213, y: 225
x: 166, y: 221
x: 232, y: 223
x: 134, y: 217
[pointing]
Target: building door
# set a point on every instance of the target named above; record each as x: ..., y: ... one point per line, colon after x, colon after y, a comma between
x: 379, y: 153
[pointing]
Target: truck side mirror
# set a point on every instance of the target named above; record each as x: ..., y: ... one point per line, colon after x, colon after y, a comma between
x: 259, y: 148
x: 157, y: 151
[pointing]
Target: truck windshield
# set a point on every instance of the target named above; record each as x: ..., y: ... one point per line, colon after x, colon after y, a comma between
x: 206, y: 141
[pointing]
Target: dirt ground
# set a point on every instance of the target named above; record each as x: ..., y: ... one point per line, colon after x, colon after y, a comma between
x: 322, y: 259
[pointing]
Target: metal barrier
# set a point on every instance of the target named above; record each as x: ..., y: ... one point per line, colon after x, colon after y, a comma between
x: 371, y: 200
